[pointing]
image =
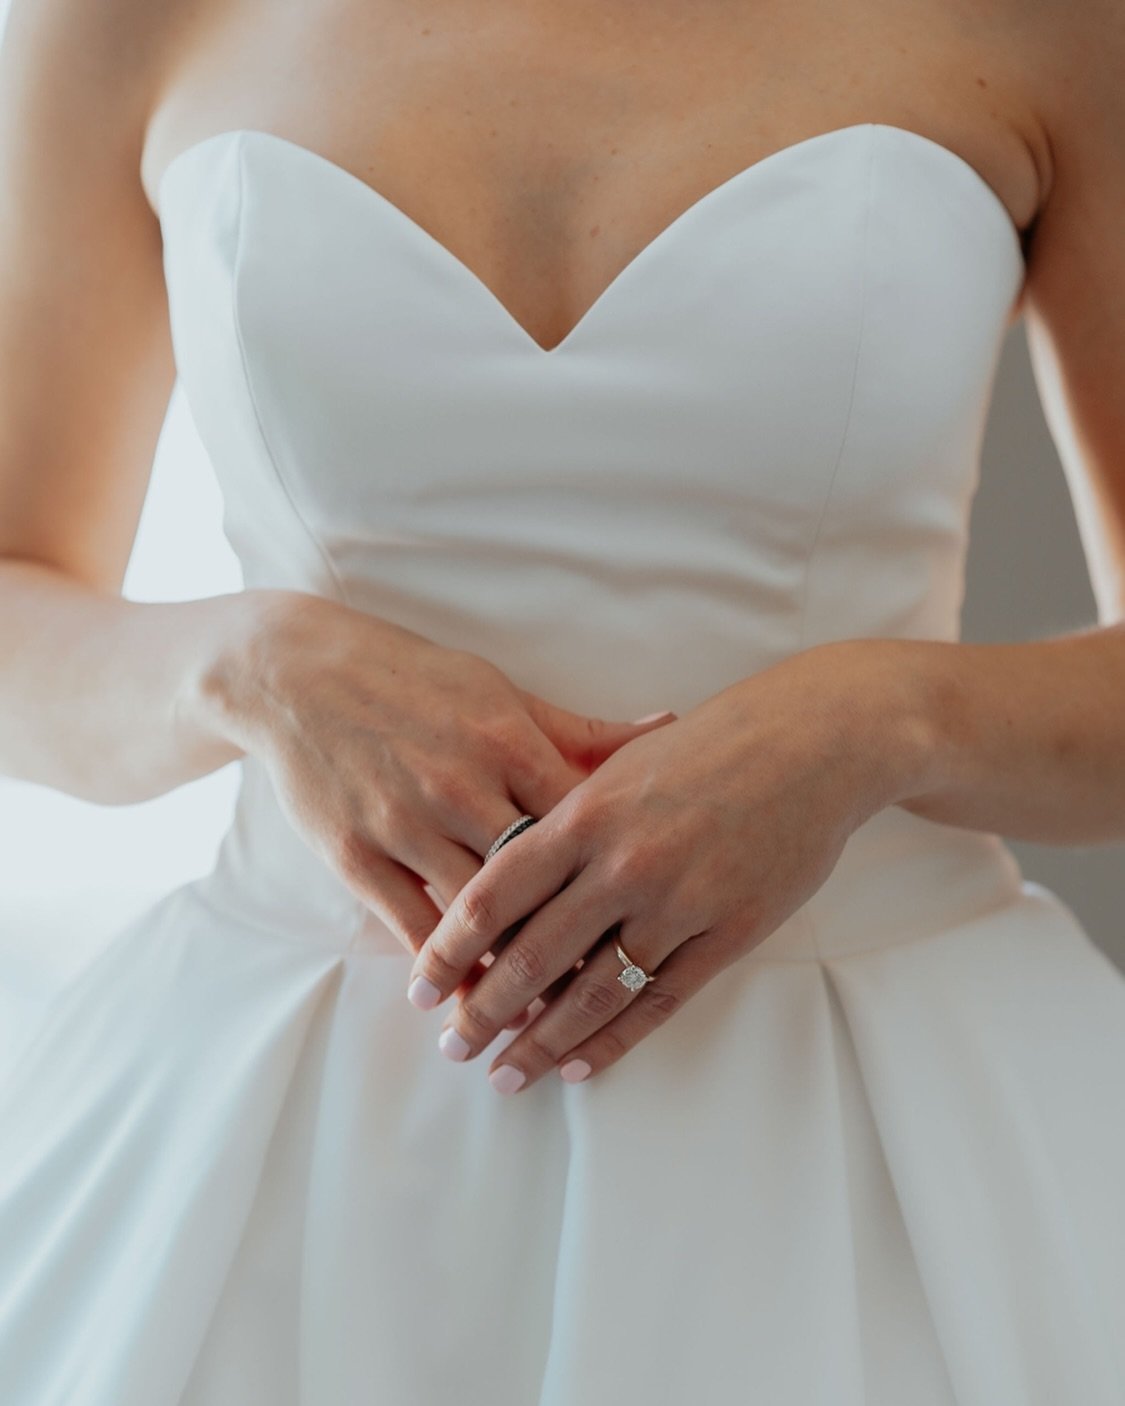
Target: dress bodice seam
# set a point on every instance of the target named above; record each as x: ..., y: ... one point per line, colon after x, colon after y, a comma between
x: 845, y: 434
x: 259, y: 423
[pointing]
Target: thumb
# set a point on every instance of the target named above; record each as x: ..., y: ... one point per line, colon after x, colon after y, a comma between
x: 586, y: 741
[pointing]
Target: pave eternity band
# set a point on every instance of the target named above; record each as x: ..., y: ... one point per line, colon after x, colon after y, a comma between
x: 508, y: 834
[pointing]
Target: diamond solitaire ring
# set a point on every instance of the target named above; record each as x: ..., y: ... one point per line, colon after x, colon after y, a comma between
x: 633, y: 977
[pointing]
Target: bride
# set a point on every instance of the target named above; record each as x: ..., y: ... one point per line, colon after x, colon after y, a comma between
x: 614, y: 986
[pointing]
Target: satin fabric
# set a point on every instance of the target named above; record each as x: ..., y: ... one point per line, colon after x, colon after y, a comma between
x: 877, y: 1161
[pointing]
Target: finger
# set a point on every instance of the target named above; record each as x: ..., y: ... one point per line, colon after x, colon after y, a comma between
x: 460, y: 867
x: 561, y: 750
x: 538, y: 778
x: 473, y: 865
x: 524, y: 775
x: 448, y: 845
x: 392, y: 892
x: 556, y: 988
x: 583, y: 740
x: 474, y: 976
x: 397, y: 896
x: 543, y: 1000
x: 527, y: 871
x: 444, y: 866
x: 545, y: 950
x: 681, y: 974
x: 594, y: 1000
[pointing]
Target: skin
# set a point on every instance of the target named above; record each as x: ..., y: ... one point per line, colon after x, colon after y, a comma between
x: 544, y: 145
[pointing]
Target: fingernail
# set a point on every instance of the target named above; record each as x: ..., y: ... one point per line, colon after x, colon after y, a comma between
x: 574, y: 1070
x: 423, y: 993
x: 507, y: 1078
x: 654, y: 717
x: 452, y: 1043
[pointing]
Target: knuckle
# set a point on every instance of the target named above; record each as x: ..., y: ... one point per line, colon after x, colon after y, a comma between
x: 390, y: 811
x: 529, y: 772
x: 353, y: 853
x: 525, y: 963
x: 446, y: 790
x: 477, y: 908
x: 661, y: 1002
x: 440, y: 965
x: 478, y: 672
x: 586, y: 812
x: 629, y: 868
x: 473, y: 1018
x: 503, y: 736
x: 596, y: 998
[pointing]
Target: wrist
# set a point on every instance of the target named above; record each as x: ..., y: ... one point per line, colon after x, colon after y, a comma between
x: 221, y: 697
x: 896, y: 694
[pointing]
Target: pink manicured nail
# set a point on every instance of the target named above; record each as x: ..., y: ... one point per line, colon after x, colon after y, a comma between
x: 574, y: 1070
x: 652, y: 717
x: 507, y: 1078
x: 452, y: 1043
x: 424, y: 994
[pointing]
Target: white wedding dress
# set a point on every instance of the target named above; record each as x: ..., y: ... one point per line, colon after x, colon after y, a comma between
x: 878, y: 1162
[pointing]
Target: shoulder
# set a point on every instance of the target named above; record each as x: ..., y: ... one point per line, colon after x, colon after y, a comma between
x: 1077, y: 55
x: 85, y: 355
x: 77, y: 80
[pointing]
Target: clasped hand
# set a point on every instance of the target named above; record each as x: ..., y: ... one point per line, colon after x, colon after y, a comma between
x: 688, y: 845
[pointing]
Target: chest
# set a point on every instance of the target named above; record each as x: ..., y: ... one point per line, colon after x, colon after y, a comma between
x: 545, y: 148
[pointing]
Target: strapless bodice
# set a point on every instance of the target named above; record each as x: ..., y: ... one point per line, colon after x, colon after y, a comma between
x: 765, y: 433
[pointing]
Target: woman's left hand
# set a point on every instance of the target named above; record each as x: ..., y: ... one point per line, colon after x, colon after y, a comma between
x: 689, y: 846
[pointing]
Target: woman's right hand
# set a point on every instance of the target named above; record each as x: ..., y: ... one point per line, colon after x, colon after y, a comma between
x: 397, y: 759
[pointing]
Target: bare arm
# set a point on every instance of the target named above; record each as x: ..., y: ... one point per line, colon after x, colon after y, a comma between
x: 1029, y: 739
x: 90, y: 684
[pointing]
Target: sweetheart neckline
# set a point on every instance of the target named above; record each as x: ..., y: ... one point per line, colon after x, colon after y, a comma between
x: 666, y: 234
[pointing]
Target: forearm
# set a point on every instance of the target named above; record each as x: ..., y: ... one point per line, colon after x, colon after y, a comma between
x: 102, y: 697
x: 1026, y: 740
